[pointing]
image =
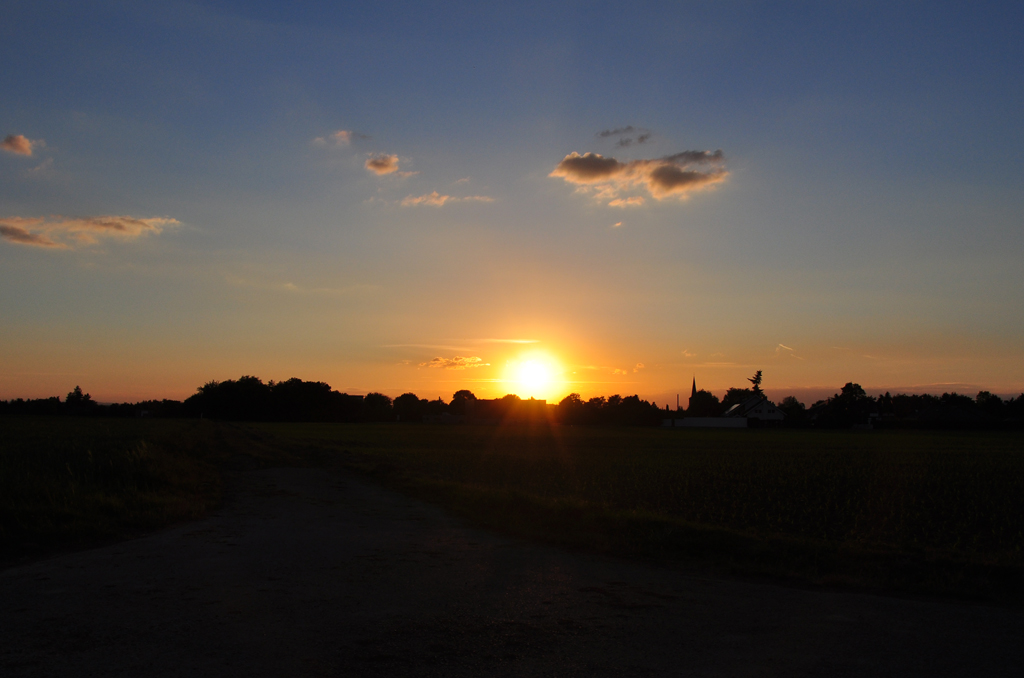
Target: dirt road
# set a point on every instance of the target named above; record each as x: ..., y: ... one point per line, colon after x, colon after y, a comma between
x: 309, y: 573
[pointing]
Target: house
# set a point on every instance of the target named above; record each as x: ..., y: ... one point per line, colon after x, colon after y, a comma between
x: 756, y: 407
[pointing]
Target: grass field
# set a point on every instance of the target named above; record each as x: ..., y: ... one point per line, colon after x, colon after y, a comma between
x: 906, y: 511
x: 68, y: 481
x: 911, y: 511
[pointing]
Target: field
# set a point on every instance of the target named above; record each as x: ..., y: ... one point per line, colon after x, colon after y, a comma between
x: 67, y: 481
x: 929, y: 512
x: 912, y: 511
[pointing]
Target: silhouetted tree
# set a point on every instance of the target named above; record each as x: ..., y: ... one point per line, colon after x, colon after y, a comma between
x: 704, y: 404
x: 79, y: 403
x: 462, y: 402
x: 735, y: 396
x: 377, y: 407
x: 756, y: 381
x: 991, y: 405
x: 572, y: 409
x: 408, y: 407
x: 793, y: 409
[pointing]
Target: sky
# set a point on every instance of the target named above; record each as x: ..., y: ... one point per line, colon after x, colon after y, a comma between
x: 531, y: 198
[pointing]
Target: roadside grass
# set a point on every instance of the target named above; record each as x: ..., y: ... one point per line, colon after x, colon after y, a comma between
x: 904, y: 511
x: 67, y: 482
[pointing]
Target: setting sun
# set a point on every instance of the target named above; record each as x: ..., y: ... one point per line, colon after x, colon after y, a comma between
x: 535, y: 376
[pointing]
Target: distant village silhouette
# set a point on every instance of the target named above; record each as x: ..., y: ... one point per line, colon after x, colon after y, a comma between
x: 250, y: 399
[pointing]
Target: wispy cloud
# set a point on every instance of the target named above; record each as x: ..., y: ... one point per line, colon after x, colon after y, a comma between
x: 343, y: 137
x: 436, y: 347
x: 626, y: 135
x: 41, y: 168
x: 675, y: 175
x: 604, y: 134
x: 782, y: 349
x: 638, y: 367
x: 456, y: 363
x: 435, y: 199
x: 510, y: 341
x: 64, y: 232
x: 290, y: 287
x: 632, y: 201
x: 19, y: 144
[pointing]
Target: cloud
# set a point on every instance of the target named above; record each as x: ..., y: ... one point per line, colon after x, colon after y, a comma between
x: 618, y: 371
x: 617, y: 224
x: 456, y: 363
x: 382, y: 164
x: 343, y: 137
x: 510, y: 341
x: 675, y: 175
x: 626, y: 135
x: 435, y: 199
x: 782, y: 349
x: 69, y: 231
x: 21, y: 236
x: 634, y: 201
x: 20, y: 144
x: 639, y: 366
x: 41, y: 167
x: 604, y: 134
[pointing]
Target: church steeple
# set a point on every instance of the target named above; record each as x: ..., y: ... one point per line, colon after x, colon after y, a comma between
x: 693, y: 393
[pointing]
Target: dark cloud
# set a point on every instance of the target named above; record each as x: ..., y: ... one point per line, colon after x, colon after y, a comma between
x: 642, y: 139
x: 589, y: 168
x: 604, y: 134
x: 23, y: 237
x: 695, y: 157
x: 675, y: 175
x: 382, y: 164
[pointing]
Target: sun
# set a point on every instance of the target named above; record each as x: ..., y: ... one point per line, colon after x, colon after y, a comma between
x: 534, y: 376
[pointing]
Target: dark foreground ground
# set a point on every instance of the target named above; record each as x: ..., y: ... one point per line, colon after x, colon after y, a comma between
x: 308, y: 572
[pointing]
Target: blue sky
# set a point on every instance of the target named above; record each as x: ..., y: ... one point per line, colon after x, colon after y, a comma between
x: 867, y: 226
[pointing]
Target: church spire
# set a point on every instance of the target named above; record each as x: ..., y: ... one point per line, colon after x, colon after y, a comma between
x: 694, y: 391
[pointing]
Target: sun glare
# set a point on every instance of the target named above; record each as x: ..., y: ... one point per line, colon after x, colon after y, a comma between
x: 536, y: 376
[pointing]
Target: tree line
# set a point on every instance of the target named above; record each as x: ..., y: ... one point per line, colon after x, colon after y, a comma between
x: 250, y: 399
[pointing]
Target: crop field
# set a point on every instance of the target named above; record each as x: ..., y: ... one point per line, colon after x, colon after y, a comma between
x: 907, y: 510
x: 67, y: 481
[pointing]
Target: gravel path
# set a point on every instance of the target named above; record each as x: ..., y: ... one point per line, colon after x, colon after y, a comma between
x: 308, y: 573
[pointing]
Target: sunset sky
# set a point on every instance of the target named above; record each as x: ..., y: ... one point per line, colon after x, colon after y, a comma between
x: 426, y: 197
